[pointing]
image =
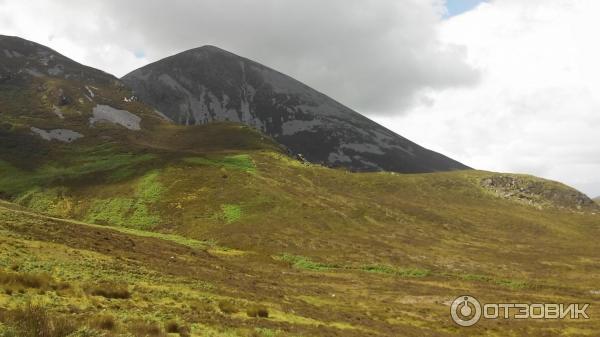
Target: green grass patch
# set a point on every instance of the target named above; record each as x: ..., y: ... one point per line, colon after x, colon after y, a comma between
x: 77, y: 166
x: 231, y: 212
x: 476, y: 277
x: 402, y: 272
x: 182, y: 240
x: 512, y: 284
x: 131, y: 212
x: 126, y: 212
x: 304, y: 262
x: 149, y: 189
x: 43, y: 200
x: 241, y: 162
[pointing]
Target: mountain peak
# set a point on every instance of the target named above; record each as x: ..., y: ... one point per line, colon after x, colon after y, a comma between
x: 199, y: 86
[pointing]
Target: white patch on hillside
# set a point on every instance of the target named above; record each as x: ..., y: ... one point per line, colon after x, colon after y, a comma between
x: 338, y: 157
x: 109, y: 114
x: 89, y: 91
x: 294, y: 126
x: 58, y: 112
x: 33, y: 72
x: 63, y: 135
x: 362, y: 148
x: 56, y: 70
x: 12, y: 53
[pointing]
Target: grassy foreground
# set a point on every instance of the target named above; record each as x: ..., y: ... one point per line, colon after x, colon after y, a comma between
x: 214, y: 231
x: 205, y: 238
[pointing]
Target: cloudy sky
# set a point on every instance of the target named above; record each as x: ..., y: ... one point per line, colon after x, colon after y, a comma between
x: 501, y: 85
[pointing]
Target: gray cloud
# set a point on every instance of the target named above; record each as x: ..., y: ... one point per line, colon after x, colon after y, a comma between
x: 373, y: 55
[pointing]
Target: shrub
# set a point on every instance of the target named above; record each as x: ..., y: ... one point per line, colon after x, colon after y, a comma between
x: 257, y: 311
x: 228, y: 307
x: 184, y: 331
x: 176, y: 327
x: 111, y: 290
x: 145, y: 329
x: 103, y: 322
x: 172, y: 327
x: 34, y: 321
x: 201, y: 306
x: 26, y: 280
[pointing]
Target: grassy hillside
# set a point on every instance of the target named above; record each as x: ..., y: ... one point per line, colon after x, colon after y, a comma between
x: 200, y: 225
x: 205, y: 231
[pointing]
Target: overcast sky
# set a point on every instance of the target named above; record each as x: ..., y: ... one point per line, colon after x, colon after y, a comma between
x: 503, y: 85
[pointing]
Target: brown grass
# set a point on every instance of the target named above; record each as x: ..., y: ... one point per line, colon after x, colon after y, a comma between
x: 145, y: 329
x: 257, y: 311
x: 111, y: 290
x: 172, y: 327
x: 25, y: 280
x: 228, y: 307
x: 103, y: 322
x: 34, y: 321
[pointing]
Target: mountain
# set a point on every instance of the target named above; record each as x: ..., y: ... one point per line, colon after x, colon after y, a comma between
x: 597, y: 199
x: 49, y: 95
x: 116, y: 222
x: 208, y: 84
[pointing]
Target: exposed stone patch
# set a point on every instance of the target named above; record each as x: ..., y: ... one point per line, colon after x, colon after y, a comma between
x: 109, y: 114
x: 89, y: 91
x: 56, y: 70
x: 58, y: 112
x: 361, y: 148
x: 63, y: 135
x: 294, y: 126
x: 33, y: 72
x: 539, y: 193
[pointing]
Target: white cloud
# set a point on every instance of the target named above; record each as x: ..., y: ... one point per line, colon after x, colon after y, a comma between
x: 537, y: 107
x: 368, y: 54
x: 80, y: 30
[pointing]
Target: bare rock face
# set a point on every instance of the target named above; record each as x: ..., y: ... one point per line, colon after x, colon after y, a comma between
x: 539, y: 193
x: 208, y: 84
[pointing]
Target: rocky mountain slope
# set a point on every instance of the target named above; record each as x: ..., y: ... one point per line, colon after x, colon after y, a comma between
x: 209, y: 84
x: 56, y: 99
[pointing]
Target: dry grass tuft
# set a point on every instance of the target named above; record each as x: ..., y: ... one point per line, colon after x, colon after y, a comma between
x: 111, y: 290
x: 34, y: 321
x: 103, y: 322
x: 145, y: 329
x: 257, y: 311
x: 228, y: 307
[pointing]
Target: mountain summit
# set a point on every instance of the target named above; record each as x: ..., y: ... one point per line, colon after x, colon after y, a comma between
x: 209, y: 84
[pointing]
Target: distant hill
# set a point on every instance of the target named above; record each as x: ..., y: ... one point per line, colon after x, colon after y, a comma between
x: 209, y: 84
